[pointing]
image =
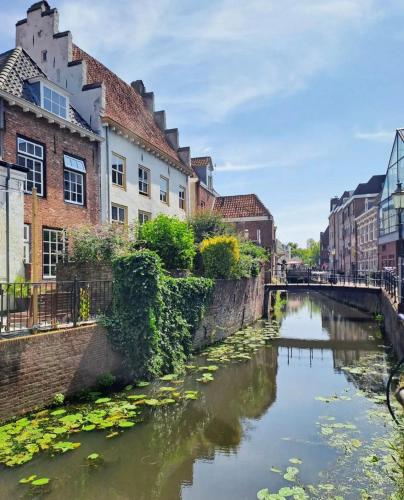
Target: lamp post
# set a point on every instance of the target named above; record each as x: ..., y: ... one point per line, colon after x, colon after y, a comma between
x: 398, y: 202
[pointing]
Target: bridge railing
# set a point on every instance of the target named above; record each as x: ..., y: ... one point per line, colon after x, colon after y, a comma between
x: 386, y: 280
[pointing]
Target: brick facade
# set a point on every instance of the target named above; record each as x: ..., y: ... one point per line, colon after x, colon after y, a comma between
x: 54, y: 212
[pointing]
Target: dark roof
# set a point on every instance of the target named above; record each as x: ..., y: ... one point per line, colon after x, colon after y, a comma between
x: 16, y: 68
x: 124, y: 105
x: 374, y: 185
x: 243, y: 205
x: 201, y: 161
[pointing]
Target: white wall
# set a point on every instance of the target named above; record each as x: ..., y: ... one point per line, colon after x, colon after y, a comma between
x: 16, y: 198
x: 130, y: 197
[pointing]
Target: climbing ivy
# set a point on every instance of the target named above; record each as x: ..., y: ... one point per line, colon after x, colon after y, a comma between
x: 153, y: 315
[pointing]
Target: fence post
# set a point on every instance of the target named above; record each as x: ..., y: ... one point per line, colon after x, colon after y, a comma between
x: 75, y: 301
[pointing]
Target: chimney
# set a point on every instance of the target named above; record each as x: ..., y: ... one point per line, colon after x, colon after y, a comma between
x: 333, y: 203
x: 185, y: 155
x: 172, y: 137
x: 138, y: 85
x: 148, y: 99
x: 160, y: 119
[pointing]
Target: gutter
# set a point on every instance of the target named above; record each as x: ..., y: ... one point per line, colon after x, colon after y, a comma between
x: 8, y: 177
x: 108, y: 186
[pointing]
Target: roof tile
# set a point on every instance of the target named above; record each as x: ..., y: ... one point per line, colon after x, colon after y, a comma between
x: 244, y: 205
x: 124, y: 105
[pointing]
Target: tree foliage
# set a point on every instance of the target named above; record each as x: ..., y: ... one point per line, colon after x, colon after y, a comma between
x: 309, y: 255
x: 219, y: 256
x: 172, y: 239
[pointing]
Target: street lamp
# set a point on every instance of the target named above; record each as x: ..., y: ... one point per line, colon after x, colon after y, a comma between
x: 398, y: 199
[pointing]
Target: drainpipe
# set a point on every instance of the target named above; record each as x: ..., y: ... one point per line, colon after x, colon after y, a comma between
x: 108, y: 187
x: 8, y: 177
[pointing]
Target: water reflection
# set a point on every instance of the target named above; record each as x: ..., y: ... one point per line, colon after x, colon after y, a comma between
x: 221, y: 446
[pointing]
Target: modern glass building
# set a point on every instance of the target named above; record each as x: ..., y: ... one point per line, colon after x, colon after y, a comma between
x: 388, y: 218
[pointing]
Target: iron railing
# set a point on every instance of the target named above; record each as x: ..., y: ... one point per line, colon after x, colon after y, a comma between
x: 27, y: 307
x: 386, y: 280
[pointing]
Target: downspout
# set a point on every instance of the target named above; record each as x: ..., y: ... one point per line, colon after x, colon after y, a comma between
x: 8, y: 177
x: 108, y: 187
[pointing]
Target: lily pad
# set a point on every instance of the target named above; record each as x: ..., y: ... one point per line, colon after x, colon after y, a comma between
x: 40, y: 481
x: 28, y: 479
x: 142, y: 384
x: 126, y: 423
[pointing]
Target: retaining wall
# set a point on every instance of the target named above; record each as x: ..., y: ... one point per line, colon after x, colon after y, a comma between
x: 36, y: 367
x: 236, y: 303
x: 376, y: 302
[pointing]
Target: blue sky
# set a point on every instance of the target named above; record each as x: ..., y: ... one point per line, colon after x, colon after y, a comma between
x: 295, y: 100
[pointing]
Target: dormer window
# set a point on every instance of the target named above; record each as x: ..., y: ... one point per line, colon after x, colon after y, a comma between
x: 54, y: 102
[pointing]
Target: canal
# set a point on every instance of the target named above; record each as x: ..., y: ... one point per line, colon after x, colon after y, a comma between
x: 298, y: 418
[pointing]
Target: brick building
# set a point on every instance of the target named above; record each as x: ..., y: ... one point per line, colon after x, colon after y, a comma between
x: 42, y: 132
x: 202, y: 193
x: 324, y: 249
x: 344, y: 212
x: 367, y: 239
x: 251, y: 218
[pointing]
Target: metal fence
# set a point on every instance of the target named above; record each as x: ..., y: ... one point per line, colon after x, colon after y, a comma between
x: 386, y: 280
x: 27, y: 307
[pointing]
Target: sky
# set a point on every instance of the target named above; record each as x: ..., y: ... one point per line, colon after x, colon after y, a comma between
x: 295, y: 100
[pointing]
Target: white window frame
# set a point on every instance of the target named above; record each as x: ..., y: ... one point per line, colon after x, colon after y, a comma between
x: 144, y: 216
x: 27, y: 243
x: 120, y: 209
x: 30, y: 152
x: 74, y: 169
x: 144, y: 181
x: 57, y: 248
x: 120, y: 160
x: 259, y: 236
x: 53, y: 98
x: 164, y: 194
x: 182, y: 197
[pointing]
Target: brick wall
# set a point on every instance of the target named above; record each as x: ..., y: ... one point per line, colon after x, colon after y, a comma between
x: 236, y: 303
x: 266, y: 228
x: 54, y: 212
x: 34, y: 368
x: 84, y: 272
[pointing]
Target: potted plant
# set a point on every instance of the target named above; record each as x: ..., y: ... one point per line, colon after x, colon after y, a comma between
x: 20, y: 290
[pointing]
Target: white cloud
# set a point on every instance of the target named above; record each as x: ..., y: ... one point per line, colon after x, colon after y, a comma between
x: 216, y: 57
x: 376, y: 136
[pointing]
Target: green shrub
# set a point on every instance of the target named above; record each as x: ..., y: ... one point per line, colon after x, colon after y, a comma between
x: 252, y: 257
x: 153, y: 315
x: 99, y: 244
x: 171, y: 238
x: 19, y: 288
x: 206, y: 224
x: 106, y: 380
x: 58, y: 399
x: 219, y: 256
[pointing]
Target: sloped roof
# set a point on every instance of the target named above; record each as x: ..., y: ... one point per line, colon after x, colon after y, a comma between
x: 124, y: 105
x: 201, y: 161
x: 374, y: 185
x: 16, y: 68
x: 243, y: 205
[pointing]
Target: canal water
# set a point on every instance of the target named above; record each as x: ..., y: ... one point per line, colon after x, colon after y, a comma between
x: 304, y: 416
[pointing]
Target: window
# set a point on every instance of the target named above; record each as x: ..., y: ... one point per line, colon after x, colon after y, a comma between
x: 27, y: 243
x: 181, y: 196
x: 118, y: 170
x: 73, y: 174
x: 54, y: 102
x: 259, y: 236
x: 54, y: 250
x: 119, y: 213
x: 31, y: 156
x: 144, y: 217
x: 44, y: 55
x: 144, y: 181
x: 210, y: 181
x: 203, y: 204
x: 163, y: 189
